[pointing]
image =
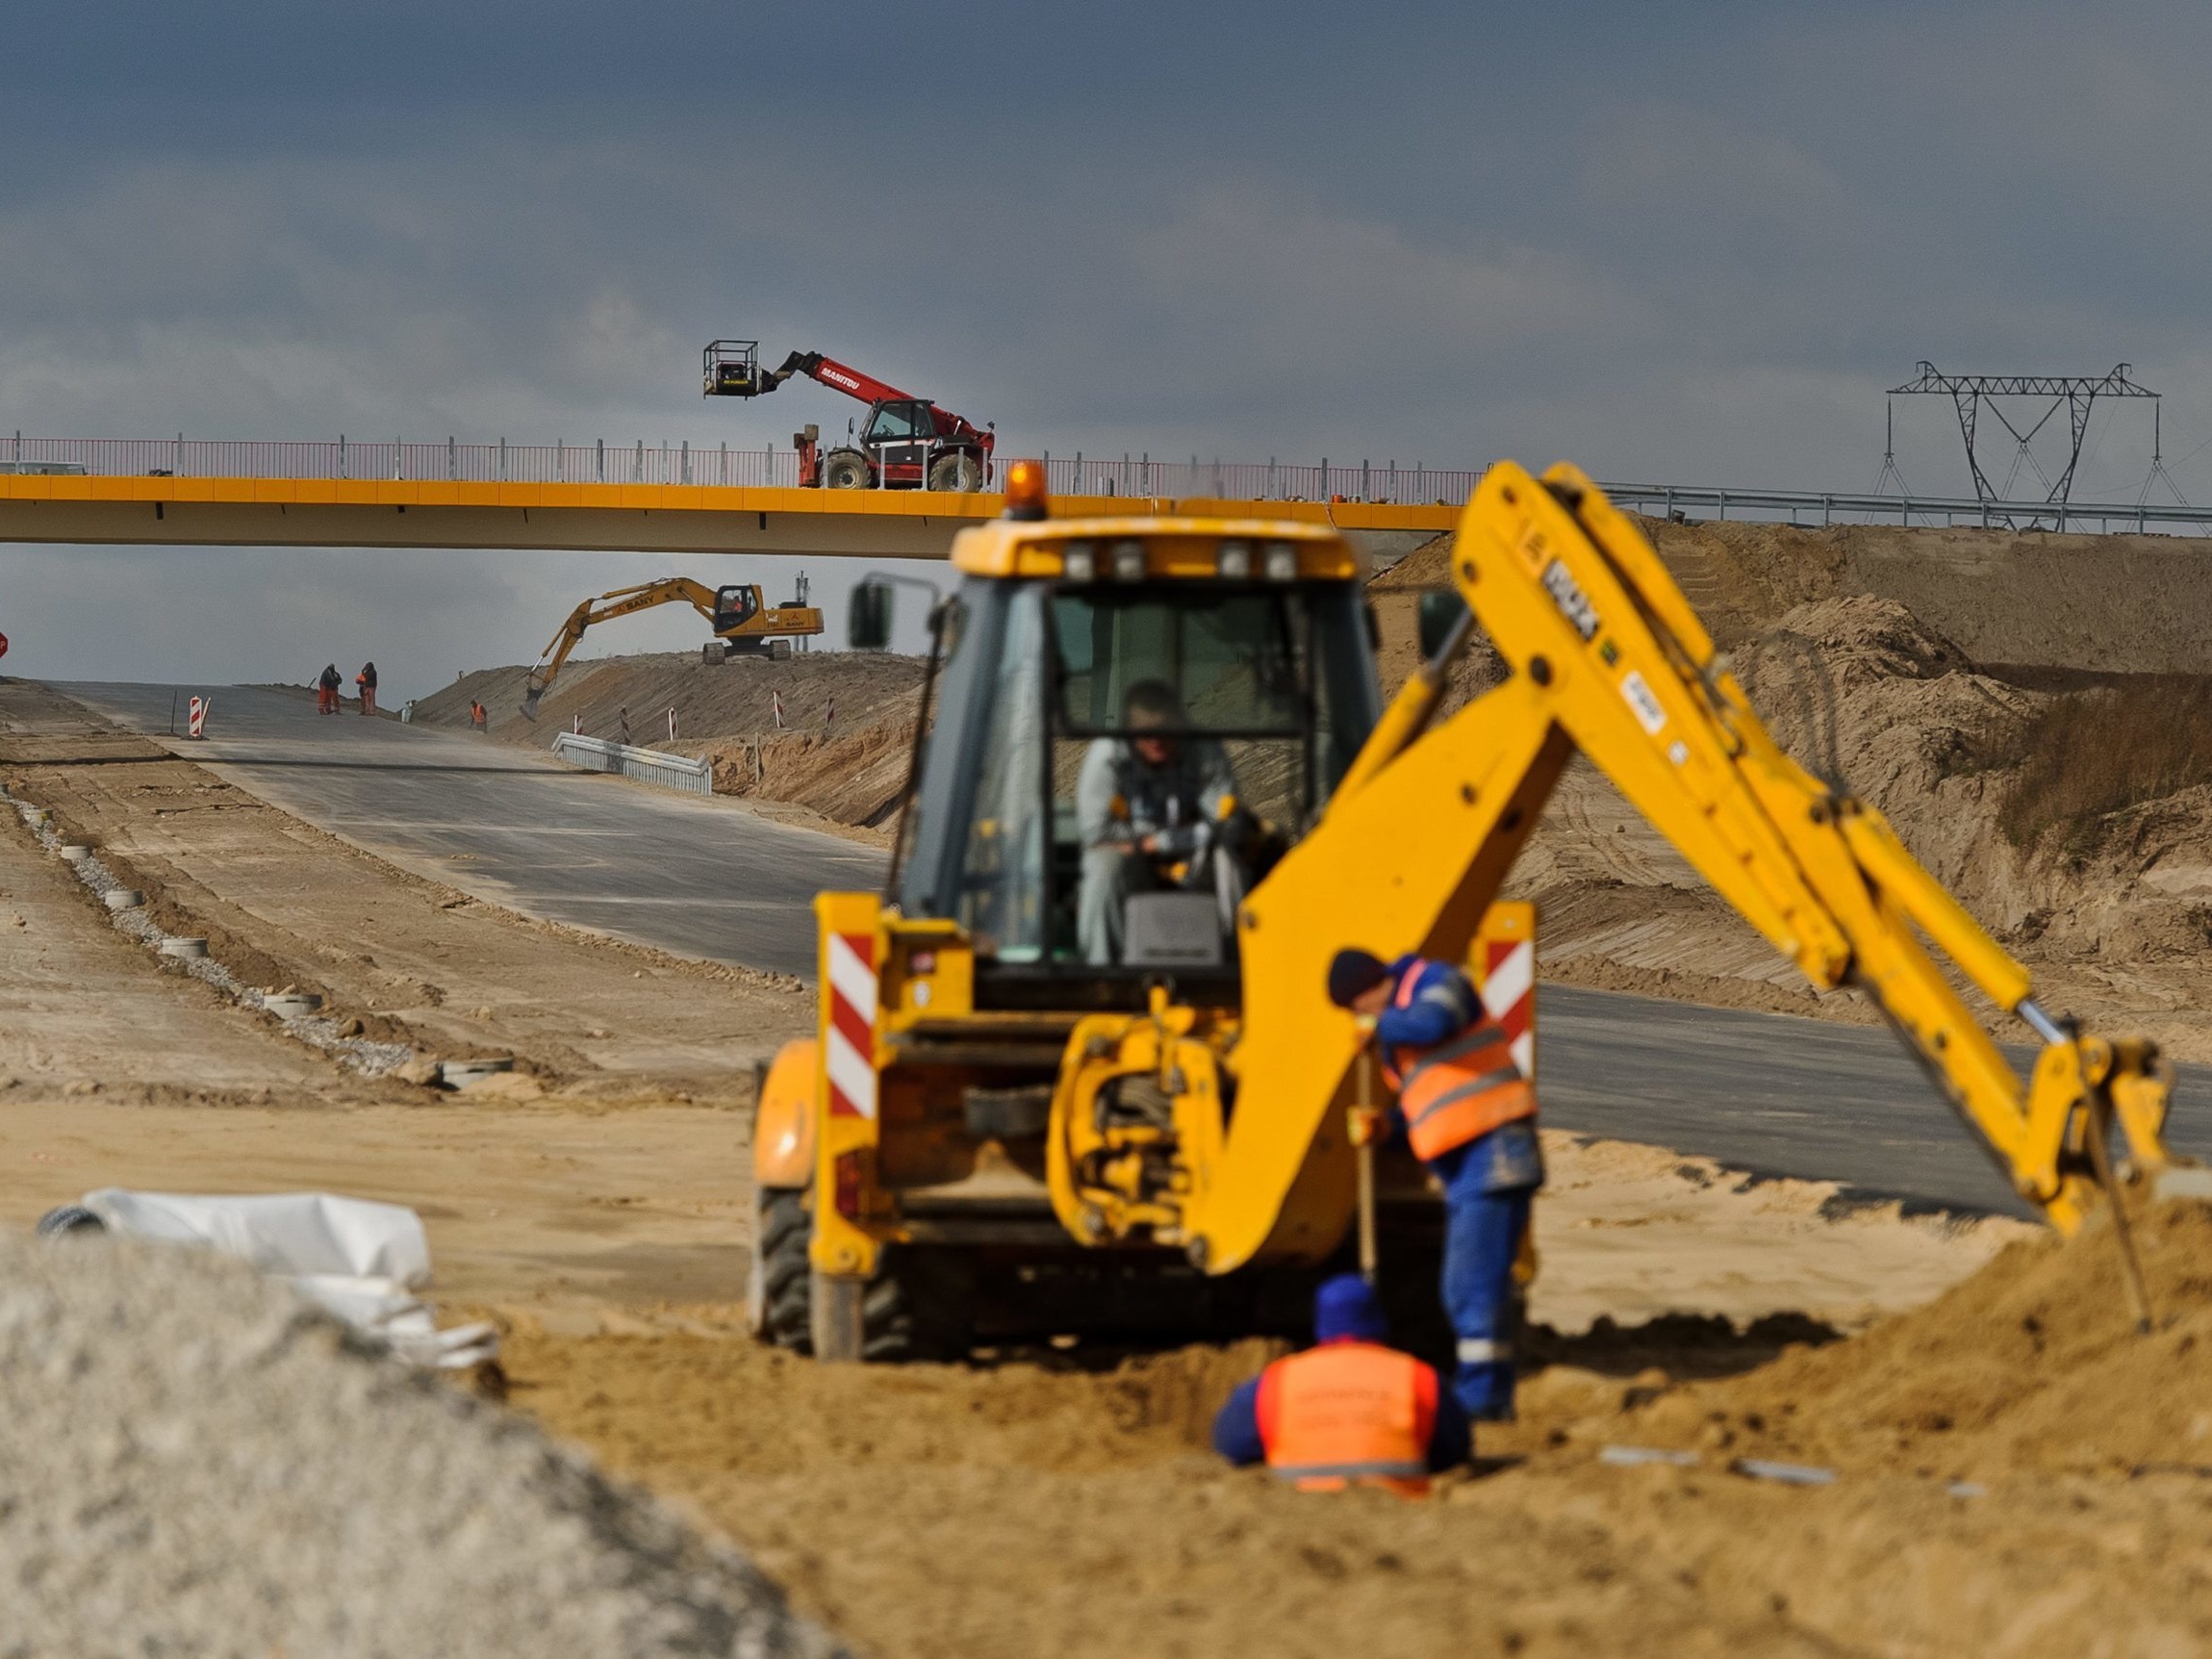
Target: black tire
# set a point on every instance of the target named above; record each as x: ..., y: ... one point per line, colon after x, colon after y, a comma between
x: 916, y: 1307
x: 781, y: 1286
x: 69, y: 1218
x: 958, y: 471
x: 845, y: 470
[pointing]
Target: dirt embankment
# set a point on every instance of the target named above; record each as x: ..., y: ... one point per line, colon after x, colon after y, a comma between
x: 839, y: 761
x: 1821, y: 627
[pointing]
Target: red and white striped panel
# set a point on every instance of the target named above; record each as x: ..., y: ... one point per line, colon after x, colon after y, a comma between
x: 1509, y: 993
x: 849, y: 1045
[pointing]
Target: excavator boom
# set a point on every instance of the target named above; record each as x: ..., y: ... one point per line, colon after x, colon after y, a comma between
x: 1608, y: 658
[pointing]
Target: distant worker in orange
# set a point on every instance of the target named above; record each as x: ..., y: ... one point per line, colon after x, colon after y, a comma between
x: 326, y: 686
x: 1349, y: 1410
x: 477, y: 715
x: 367, y: 680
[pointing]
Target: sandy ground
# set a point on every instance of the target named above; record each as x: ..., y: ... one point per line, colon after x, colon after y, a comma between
x: 2010, y: 1471
x: 1051, y: 1501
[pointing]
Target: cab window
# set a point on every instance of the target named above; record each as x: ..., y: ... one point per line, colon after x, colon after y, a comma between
x: 892, y: 422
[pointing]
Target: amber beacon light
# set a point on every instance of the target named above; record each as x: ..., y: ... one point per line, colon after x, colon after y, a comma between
x: 1026, y: 496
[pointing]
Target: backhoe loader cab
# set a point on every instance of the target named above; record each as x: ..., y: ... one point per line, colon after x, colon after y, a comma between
x: 1132, y: 724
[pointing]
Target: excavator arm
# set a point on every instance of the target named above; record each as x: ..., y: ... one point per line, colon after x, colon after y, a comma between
x: 621, y: 602
x: 1608, y: 658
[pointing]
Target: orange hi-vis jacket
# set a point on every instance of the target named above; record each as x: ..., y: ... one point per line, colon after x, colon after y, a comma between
x: 1462, y: 1088
x: 1347, y: 1413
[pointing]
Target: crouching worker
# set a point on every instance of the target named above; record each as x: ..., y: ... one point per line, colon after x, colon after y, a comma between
x: 1470, y: 1116
x: 1349, y: 1410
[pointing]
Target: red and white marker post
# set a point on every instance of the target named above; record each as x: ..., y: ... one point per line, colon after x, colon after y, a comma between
x: 671, y: 722
x: 196, y: 716
x: 849, y: 1043
x: 1505, y: 960
x: 776, y: 708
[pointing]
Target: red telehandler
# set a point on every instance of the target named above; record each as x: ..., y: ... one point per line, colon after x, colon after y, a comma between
x: 908, y: 442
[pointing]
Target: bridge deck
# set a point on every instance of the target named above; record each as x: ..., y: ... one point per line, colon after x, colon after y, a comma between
x: 643, y: 518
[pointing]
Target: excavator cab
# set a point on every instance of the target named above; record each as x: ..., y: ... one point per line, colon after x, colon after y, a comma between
x: 1133, y: 724
x: 735, y: 605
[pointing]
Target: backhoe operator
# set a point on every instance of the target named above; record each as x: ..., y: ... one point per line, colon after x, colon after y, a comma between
x: 1470, y: 1116
x: 1349, y: 1410
x: 1141, y: 802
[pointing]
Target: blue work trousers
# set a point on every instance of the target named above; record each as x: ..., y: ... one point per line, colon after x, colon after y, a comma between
x: 1488, y: 1185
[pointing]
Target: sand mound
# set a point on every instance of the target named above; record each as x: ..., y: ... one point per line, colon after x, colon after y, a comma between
x: 198, y: 1464
x: 2031, y: 1366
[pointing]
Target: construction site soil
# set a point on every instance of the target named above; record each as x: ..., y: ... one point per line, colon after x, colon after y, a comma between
x: 2015, y: 1471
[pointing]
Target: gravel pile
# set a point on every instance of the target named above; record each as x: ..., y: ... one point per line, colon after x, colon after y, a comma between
x: 194, y: 1462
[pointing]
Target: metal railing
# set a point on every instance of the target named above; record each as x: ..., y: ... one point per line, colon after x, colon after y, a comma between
x: 683, y: 463
x: 1810, y: 509
x: 447, y: 462
x: 1142, y: 476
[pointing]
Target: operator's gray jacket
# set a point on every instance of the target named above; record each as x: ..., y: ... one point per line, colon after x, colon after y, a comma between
x: 1186, y: 791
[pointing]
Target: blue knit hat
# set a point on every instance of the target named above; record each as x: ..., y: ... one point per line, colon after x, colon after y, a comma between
x: 1347, y: 1306
x: 1354, y: 973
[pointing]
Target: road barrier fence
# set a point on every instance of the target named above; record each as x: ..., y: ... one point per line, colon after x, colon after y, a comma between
x: 647, y: 765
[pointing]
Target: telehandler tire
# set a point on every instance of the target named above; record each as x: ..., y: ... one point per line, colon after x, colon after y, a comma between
x: 845, y: 470
x: 961, y: 472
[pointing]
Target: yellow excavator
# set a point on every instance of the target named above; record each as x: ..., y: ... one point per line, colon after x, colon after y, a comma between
x: 992, y: 1132
x: 744, y: 624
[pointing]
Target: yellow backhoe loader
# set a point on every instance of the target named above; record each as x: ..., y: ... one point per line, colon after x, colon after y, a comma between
x: 993, y: 1133
x: 744, y: 624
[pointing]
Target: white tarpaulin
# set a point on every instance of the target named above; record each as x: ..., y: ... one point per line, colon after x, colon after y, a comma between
x: 360, y: 1261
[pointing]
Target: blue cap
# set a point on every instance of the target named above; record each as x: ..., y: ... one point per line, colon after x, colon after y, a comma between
x: 1347, y: 1306
x: 1353, y: 973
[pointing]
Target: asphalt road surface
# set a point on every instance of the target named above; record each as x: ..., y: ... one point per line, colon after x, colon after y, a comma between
x: 517, y: 827
x: 1769, y: 1093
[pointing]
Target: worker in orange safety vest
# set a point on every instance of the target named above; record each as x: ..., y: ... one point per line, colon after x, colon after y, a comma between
x: 1469, y: 1116
x: 1349, y: 1410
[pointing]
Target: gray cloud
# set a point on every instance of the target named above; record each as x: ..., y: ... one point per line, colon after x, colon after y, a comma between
x: 1691, y: 241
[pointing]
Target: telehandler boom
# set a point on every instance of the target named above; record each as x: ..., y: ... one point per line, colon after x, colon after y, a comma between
x: 992, y: 1132
x: 744, y: 624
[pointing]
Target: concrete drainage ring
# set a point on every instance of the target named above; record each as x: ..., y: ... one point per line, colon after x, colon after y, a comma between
x: 460, y: 1073
x: 291, y: 1005
x: 122, y: 897
x: 178, y: 945
x: 76, y: 852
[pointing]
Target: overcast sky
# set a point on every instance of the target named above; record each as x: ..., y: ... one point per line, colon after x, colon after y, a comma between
x: 1690, y: 243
